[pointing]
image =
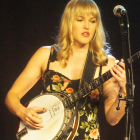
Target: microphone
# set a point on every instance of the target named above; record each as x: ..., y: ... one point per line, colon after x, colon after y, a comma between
x: 119, y: 11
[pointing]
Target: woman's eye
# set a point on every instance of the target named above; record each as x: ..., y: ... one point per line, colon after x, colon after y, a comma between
x: 93, y: 21
x: 79, y: 20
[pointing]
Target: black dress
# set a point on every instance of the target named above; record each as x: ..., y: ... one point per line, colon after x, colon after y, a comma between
x: 54, y: 81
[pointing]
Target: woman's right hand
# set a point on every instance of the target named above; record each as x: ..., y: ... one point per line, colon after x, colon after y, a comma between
x: 31, y: 117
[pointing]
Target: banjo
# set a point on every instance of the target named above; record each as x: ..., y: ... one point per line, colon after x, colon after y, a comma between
x: 54, y: 119
x: 60, y: 108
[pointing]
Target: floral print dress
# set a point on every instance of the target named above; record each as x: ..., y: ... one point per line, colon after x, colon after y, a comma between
x: 54, y: 81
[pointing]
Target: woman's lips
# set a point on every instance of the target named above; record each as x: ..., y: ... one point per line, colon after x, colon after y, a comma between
x: 85, y: 34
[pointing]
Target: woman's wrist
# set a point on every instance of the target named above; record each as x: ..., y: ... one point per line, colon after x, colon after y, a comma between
x: 20, y: 110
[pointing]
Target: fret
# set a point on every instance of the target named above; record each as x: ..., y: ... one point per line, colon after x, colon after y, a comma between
x: 75, y: 95
x: 81, y: 93
x: 106, y: 74
x: 68, y: 101
x: 85, y: 90
x: 93, y: 85
x: 71, y: 99
x: 109, y: 75
x: 64, y: 103
x: 96, y: 82
x: 102, y: 79
x: 89, y: 87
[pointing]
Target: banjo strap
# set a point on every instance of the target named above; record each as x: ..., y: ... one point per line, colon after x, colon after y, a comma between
x: 89, y: 71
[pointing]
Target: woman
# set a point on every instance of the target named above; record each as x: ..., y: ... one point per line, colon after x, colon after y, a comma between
x: 61, y: 70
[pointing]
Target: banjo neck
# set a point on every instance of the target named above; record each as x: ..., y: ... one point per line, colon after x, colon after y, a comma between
x: 71, y: 100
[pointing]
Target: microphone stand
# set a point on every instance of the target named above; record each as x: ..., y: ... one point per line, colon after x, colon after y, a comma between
x: 129, y: 86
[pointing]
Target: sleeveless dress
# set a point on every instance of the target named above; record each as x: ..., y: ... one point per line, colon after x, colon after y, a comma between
x: 54, y: 81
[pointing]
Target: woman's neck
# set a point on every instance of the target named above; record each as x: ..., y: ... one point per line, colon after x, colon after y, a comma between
x: 80, y: 50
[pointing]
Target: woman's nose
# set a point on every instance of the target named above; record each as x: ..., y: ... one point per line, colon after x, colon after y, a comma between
x: 86, y: 25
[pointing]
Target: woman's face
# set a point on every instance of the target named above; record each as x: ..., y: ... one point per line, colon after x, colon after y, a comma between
x: 83, y: 29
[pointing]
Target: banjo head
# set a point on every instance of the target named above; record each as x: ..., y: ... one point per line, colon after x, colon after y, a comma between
x: 54, y: 119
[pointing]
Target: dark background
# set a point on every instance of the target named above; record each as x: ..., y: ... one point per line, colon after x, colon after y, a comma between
x: 26, y: 25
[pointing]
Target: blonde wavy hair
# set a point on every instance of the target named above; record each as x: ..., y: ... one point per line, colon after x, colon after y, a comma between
x: 65, y: 39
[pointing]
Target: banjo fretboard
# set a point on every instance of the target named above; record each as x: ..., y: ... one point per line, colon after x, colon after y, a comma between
x: 88, y: 88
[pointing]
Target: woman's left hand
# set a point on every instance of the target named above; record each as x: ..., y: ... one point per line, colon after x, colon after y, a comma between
x: 118, y: 72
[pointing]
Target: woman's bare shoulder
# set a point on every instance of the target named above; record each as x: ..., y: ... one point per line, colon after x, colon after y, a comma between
x: 40, y: 57
x: 45, y: 49
x: 111, y: 60
x: 111, y: 63
x: 43, y: 52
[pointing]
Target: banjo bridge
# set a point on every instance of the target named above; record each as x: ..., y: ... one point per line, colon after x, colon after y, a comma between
x: 55, y: 110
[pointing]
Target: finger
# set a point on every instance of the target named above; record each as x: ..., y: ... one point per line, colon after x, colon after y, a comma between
x: 120, y: 75
x: 40, y: 109
x: 122, y: 60
x: 32, y: 116
x: 115, y: 74
x: 118, y: 72
x: 118, y: 69
x: 122, y: 65
x: 34, y: 125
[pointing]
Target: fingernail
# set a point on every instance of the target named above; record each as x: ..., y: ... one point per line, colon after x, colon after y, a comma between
x: 44, y: 109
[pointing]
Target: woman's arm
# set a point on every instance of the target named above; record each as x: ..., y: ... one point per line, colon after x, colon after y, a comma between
x: 111, y: 89
x: 26, y: 80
